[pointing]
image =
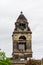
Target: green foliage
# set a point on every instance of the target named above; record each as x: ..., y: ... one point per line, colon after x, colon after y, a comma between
x: 2, y: 56
x: 4, y: 60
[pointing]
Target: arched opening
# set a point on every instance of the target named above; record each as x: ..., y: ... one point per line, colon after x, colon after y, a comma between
x: 22, y: 43
x: 22, y: 38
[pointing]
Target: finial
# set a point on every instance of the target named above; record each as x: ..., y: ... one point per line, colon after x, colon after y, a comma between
x: 21, y: 12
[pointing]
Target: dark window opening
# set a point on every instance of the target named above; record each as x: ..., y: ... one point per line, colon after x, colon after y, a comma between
x: 22, y: 26
x: 22, y: 38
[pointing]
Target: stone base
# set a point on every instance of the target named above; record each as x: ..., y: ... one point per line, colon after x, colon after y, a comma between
x: 22, y: 62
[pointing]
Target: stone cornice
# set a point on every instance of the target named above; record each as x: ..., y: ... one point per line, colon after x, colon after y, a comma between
x: 22, y: 32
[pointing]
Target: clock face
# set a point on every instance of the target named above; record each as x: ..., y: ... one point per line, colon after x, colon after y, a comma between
x: 22, y: 26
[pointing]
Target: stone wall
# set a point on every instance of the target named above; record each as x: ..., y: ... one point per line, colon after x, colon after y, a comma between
x: 16, y: 36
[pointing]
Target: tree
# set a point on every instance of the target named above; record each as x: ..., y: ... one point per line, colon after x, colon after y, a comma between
x: 3, y: 59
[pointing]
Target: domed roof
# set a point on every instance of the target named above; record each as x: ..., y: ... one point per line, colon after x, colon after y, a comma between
x: 21, y: 16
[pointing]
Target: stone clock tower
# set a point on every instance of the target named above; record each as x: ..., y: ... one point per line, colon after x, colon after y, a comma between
x: 22, y: 46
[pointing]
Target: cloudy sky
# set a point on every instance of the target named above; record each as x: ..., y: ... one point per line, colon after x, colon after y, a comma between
x: 9, y: 12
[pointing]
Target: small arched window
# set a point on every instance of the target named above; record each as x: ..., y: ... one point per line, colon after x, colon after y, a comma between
x: 22, y: 38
